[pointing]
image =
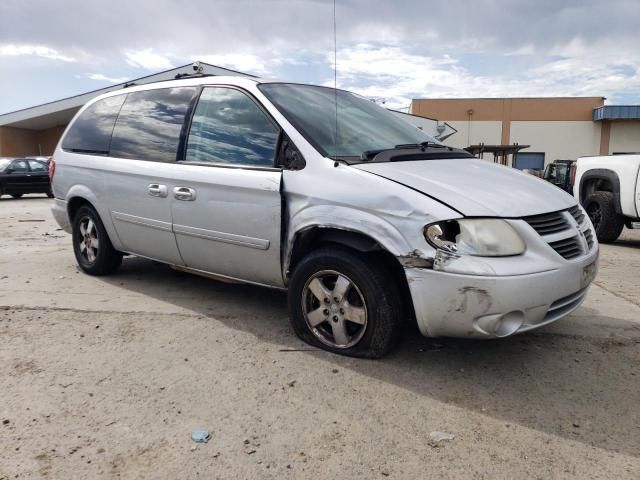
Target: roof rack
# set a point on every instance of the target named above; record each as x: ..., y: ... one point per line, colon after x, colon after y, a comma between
x: 193, y: 75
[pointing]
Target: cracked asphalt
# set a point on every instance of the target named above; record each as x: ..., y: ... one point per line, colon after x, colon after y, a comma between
x: 107, y: 378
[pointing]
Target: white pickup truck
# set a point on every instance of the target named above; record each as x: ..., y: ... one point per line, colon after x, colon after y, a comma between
x: 608, y: 187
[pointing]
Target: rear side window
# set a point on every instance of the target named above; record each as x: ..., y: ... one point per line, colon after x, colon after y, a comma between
x: 228, y: 127
x: 91, y: 131
x: 37, y: 166
x: 149, y: 124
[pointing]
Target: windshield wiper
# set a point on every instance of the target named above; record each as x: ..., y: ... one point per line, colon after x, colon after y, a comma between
x: 369, y: 155
x: 423, y: 145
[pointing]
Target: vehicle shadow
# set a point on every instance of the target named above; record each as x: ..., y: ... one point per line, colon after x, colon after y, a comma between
x: 627, y: 243
x: 549, y: 383
x: 9, y: 198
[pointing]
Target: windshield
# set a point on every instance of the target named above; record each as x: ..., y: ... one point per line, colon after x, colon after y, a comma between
x: 557, y: 173
x: 362, y: 125
x: 4, y: 162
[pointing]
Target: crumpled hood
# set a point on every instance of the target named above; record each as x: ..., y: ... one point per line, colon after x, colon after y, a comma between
x: 476, y: 187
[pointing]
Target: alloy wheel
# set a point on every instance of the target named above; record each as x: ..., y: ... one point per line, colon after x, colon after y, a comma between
x: 334, y: 309
x: 89, y: 241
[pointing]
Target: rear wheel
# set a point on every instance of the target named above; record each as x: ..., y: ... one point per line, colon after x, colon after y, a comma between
x: 16, y: 195
x: 600, y: 206
x: 343, y: 303
x: 91, y: 245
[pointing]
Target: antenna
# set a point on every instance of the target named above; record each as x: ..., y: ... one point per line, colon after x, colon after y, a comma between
x: 335, y: 84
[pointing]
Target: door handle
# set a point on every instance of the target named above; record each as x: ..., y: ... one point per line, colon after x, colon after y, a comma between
x: 157, y: 190
x: 185, y: 194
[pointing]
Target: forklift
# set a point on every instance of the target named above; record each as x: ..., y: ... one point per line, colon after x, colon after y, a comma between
x: 562, y: 174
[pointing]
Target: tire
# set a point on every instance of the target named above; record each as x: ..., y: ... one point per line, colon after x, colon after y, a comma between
x: 608, y: 224
x: 88, y: 230
x: 16, y: 195
x: 49, y: 194
x: 370, y: 295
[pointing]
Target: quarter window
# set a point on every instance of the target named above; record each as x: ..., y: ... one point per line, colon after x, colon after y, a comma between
x: 149, y: 124
x: 228, y: 127
x: 91, y: 131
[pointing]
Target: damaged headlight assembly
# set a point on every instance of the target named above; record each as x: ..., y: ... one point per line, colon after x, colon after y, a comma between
x: 479, y: 237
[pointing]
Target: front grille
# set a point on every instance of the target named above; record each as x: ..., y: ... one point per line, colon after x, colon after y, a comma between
x: 576, y: 212
x: 588, y: 235
x: 563, y: 231
x: 564, y: 305
x: 548, y: 223
x: 568, y: 247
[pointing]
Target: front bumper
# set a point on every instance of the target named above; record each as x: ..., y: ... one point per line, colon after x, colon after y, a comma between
x: 457, y: 305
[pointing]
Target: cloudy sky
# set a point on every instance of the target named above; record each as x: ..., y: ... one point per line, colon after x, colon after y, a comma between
x: 386, y: 49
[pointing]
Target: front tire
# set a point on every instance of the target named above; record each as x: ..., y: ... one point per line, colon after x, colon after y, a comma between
x: 343, y: 302
x: 600, y: 206
x: 91, y: 245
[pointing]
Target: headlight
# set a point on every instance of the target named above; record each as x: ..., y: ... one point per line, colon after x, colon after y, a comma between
x: 482, y: 237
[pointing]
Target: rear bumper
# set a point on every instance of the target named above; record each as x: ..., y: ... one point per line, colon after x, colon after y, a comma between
x: 456, y: 305
x: 60, y: 213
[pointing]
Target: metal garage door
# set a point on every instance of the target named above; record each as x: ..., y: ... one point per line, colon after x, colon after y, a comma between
x: 530, y: 160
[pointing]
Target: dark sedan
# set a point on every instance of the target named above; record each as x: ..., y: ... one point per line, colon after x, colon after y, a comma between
x: 24, y: 175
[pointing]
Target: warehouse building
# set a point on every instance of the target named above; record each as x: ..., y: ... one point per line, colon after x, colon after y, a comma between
x: 553, y: 128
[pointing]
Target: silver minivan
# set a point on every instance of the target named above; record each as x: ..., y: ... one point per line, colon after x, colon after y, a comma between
x: 364, y: 219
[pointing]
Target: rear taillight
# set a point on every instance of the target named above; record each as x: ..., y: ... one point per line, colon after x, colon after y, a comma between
x: 52, y: 169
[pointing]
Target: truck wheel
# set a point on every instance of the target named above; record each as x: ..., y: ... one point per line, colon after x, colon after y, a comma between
x: 16, y: 195
x: 91, y: 245
x: 342, y: 303
x: 600, y: 207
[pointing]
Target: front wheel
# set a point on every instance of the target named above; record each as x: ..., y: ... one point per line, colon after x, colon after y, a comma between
x: 343, y: 303
x: 600, y: 206
x: 91, y: 245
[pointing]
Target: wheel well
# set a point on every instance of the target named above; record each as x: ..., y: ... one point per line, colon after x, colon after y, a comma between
x: 596, y: 184
x: 315, y: 237
x: 74, y: 205
x: 601, y: 180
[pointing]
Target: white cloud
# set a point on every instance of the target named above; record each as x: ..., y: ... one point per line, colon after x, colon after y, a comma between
x: 243, y: 62
x: 148, y: 59
x: 103, y: 78
x: 34, y: 50
x: 398, y: 76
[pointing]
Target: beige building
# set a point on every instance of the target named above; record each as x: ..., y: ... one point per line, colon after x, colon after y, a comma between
x: 555, y: 128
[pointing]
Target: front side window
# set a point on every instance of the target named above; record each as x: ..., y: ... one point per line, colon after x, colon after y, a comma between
x: 37, y: 166
x: 91, y: 131
x: 149, y: 124
x: 228, y: 127
x: 362, y: 125
x: 19, y: 166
